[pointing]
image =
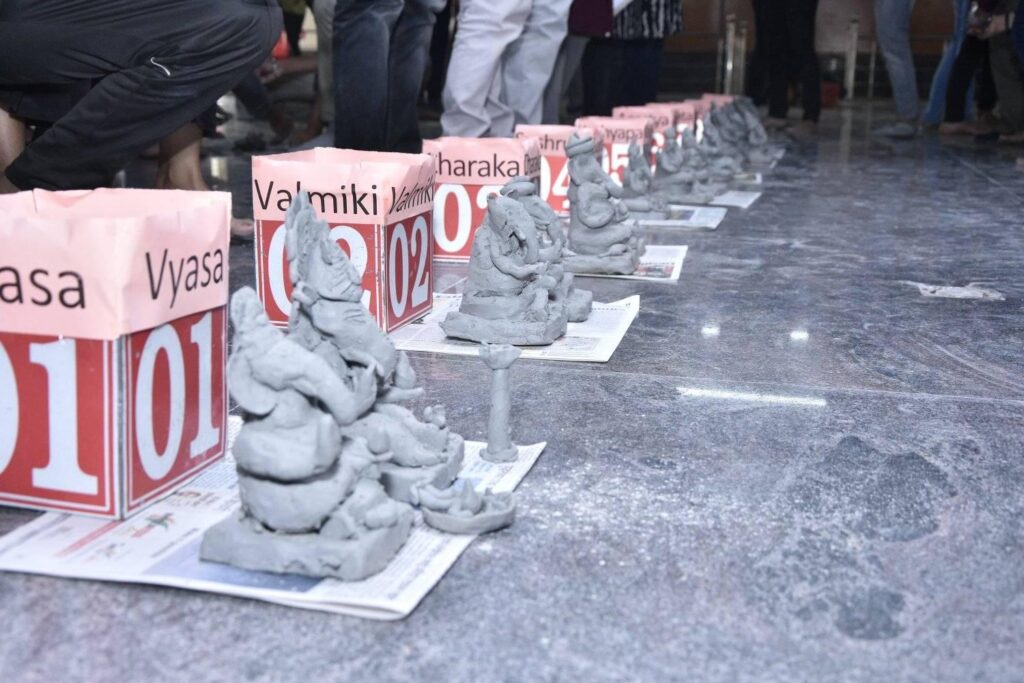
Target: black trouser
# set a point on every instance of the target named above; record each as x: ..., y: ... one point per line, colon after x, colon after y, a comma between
x: 756, y: 87
x: 788, y: 30
x: 618, y: 72
x: 440, y: 49
x: 153, y: 65
x: 972, y: 64
x: 380, y: 57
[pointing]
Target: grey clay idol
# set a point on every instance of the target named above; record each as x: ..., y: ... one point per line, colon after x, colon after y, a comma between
x: 683, y: 178
x: 551, y: 247
x: 761, y: 151
x: 311, y: 500
x: 723, y: 165
x: 601, y: 234
x: 328, y: 459
x: 638, y: 187
x: 508, y: 297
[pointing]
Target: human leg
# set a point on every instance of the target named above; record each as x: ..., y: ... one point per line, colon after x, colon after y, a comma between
x: 934, y: 111
x: 485, y: 30
x: 892, y: 19
x: 323, y: 15
x: 1006, y: 72
x: 800, y: 18
x: 158, y: 64
x: 410, y: 50
x: 529, y: 62
x: 777, y: 51
x: 641, y: 66
x: 362, y: 54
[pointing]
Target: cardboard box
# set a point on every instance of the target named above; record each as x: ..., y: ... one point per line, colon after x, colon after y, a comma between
x: 686, y: 113
x: 379, y: 207
x: 113, y: 346
x: 618, y: 133
x: 554, y: 164
x: 661, y: 116
x: 469, y: 170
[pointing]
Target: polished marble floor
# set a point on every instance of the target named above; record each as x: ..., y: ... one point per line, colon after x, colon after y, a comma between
x: 797, y: 467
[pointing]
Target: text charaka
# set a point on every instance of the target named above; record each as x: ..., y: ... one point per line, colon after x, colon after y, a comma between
x: 347, y: 199
x: 487, y: 167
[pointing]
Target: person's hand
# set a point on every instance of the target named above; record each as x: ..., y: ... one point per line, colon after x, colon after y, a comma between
x: 995, y: 27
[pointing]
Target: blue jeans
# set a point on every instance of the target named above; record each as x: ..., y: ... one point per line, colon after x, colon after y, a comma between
x: 380, y: 56
x: 935, y: 110
x: 1017, y: 31
x: 892, y: 18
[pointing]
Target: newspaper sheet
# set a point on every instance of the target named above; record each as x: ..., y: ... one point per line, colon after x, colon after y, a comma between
x: 593, y: 341
x: 750, y: 178
x: 660, y: 263
x: 737, y: 198
x: 160, y: 545
x: 687, y: 217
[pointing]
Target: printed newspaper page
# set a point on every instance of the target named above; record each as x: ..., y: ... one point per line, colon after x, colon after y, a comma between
x: 592, y: 341
x: 736, y: 198
x: 660, y: 263
x: 160, y: 545
x: 688, y: 217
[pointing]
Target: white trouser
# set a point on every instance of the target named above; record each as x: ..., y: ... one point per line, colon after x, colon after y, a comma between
x: 570, y: 57
x: 323, y: 13
x: 501, y: 62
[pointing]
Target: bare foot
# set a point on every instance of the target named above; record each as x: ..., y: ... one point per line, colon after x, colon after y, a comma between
x: 242, y: 229
x: 12, y: 139
x: 281, y: 125
x: 956, y: 128
x: 301, y: 137
x: 180, y: 167
x: 804, y: 131
x: 1016, y: 138
x: 6, y: 186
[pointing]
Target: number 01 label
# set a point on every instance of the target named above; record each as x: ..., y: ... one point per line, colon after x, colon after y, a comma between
x: 77, y: 416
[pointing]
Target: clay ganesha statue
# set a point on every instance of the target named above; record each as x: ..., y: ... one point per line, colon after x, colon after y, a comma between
x: 329, y: 461
x: 312, y: 501
x: 638, y: 187
x: 508, y: 296
x: 551, y: 247
x: 601, y: 233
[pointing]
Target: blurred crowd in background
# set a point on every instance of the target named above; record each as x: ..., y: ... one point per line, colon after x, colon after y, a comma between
x: 86, y: 87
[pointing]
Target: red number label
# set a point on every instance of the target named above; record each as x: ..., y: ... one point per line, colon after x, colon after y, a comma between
x: 177, y: 403
x: 57, y: 433
x: 409, y: 261
x: 59, y: 425
x: 554, y: 182
x: 458, y: 212
x: 272, y: 263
